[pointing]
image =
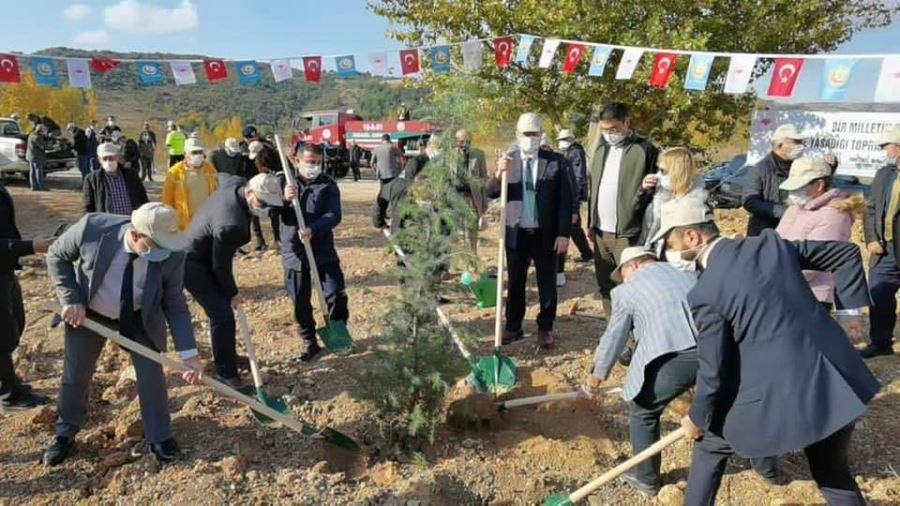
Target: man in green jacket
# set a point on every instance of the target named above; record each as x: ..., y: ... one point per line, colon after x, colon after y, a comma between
x: 618, y: 197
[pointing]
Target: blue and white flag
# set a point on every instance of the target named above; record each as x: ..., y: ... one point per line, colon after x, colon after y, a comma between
x: 248, y: 72
x: 440, y: 58
x: 346, y: 66
x: 598, y: 60
x: 836, y: 78
x: 149, y: 72
x: 698, y: 71
x: 525, y: 42
x: 44, y: 70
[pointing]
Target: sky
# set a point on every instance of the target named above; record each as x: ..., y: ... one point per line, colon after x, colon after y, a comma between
x: 242, y: 29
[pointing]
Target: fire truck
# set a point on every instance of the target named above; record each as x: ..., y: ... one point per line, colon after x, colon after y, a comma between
x: 336, y: 130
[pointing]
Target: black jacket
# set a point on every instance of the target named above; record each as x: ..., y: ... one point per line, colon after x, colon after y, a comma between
x: 762, y: 198
x: 11, y: 244
x: 238, y: 165
x: 218, y: 229
x: 877, y: 206
x: 320, y: 200
x: 131, y: 154
x: 81, y: 143
x: 578, y: 164
x: 95, y: 197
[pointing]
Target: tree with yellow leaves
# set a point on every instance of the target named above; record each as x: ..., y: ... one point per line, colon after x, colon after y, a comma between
x: 62, y: 104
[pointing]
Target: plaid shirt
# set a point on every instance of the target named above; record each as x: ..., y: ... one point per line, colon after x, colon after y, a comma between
x: 119, y: 202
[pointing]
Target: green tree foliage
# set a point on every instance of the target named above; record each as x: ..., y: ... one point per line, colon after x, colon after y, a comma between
x: 672, y: 115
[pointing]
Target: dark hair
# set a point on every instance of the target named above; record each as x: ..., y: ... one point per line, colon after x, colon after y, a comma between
x: 386, y: 137
x: 612, y: 111
x: 312, y: 148
x: 709, y: 229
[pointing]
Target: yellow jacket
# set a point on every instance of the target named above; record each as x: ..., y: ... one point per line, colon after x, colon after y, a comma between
x: 175, y: 192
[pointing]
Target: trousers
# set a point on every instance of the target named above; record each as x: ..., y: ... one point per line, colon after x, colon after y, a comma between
x: 199, y: 282
x: 530, y: 248
x: 299, y: 287
x: 884, y: 281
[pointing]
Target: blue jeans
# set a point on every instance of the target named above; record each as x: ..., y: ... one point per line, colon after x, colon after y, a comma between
x: 36, y: 176
x: 84, y: 165
x: 884, y: 281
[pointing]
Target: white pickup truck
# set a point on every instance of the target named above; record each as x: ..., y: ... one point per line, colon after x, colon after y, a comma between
x: 12, y: 151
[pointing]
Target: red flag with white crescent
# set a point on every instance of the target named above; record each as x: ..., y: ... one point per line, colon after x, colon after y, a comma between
x: 103, y: 65
x: 312, y: 68
x: 215, y: 70
x: 409, y: 61
x: 784, y: 76
x: 503, y: 50
x: 9, y: 69
x: 663, y: 66
x: 573, y: 56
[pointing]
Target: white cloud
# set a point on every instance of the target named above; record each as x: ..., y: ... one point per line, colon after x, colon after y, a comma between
x: 91, y: 38
x: 132, y: 16
x: 77, y: 12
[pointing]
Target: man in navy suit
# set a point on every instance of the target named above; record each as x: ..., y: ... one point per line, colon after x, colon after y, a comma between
x: 777, y: 374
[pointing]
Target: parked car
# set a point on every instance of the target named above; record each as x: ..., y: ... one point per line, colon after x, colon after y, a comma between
x: 60, y: 154
x: 727, y: 183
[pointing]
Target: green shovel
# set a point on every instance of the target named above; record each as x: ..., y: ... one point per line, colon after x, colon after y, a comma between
x: 276, y: 403
x: 334, y: 333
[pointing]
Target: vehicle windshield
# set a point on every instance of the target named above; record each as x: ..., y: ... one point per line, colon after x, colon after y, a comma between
x: 9, y: 128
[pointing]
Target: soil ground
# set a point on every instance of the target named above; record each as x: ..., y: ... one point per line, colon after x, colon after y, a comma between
x: 525, y: 455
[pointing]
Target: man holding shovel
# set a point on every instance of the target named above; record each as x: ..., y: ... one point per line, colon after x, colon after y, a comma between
x: 125, y: 273
x: 320, y: 200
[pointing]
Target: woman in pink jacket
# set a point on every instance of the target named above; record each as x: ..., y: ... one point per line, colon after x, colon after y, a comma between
x: 817, y: 212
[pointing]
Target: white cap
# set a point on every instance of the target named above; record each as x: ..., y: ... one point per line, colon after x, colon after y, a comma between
x: 565, y: 133
x: 680, y: 213
x: 108, y: 149
x: 889, y: 136
x: 787, y: 131
x: 529, y: 122
x: 231, y: 144
x: 545, y: 141
x: 115, y: 135
x: 255, y: 149
x: 160, y: 223
x: 193, y: 144
x: 629, y: 254
x: 70, y: 126
x: 804, y: 171
x: 267, y: 188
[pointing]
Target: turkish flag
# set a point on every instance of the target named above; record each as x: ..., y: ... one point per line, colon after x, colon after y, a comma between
x: 784, y: 76
x: 663, y: 66
x: 215, y: 70
x: 573, y: 56
x: 312, y: 67
x: 503, y: 50
x: 409, y: 61
x: 9, y: 69
x: 103, y: 65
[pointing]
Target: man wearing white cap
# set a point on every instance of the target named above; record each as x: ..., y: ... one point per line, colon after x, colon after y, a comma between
x: 217, y: 231
x: 230, y: 160
x: 114, y: 189
x: 538, y: 222
x: 125, y: 273
x: 575, y: 155
x: 761, y: 196
x: 189, y: 183
x: 883, y: 242
x: 650, y: 300
x: 777, y: 374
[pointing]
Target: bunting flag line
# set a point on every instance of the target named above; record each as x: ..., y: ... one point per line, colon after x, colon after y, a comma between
x: 629, y: 62
x: 149, y: 72
x: 835, y: 79
x: 248, y: 72
x: 409, y: 61
x: 471, y: 51
x: 281, y: 70
x: 44, y: 70
x: 598, y: 60
x: 740, y: 71
x: 503, y: 51
x: 663, y: 67
x: 378, y: 62
x: 346, y: 66
x: 9, y: 69
x: 784, y: 76
x: 548, y: 52
x: 103, y: 65
x: 215, y: 70
x: 440, y: 59
x: 573, y: 56
x: 888, y: 87
x: 525, y: 42
x: 312, y: 68
x: 183, y: 73
x: 79, y: 73
x: 698, y: 71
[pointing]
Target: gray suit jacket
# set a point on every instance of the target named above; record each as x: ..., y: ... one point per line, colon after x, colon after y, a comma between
x: 386, y: 161
x: 652, y: 303
x: 78, y: 260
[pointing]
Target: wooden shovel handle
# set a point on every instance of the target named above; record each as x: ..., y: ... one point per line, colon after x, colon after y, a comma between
x: 538, y: 399
x: 248, y: 345
x: 501, y: 254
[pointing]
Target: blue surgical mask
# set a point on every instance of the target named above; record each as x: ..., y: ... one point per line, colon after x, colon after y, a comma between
x: 156, y: 255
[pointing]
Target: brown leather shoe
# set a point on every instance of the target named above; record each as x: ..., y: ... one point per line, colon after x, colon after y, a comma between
x: 544, y: 340
x: 510, y: 337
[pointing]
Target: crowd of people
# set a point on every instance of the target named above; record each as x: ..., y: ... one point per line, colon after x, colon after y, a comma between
x: 745, y: 322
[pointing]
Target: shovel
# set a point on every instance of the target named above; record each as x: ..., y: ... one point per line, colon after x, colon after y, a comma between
x: 326, y: 434
x: 334, y: 333
x: 276, y: 403
x: 540, y: 399
x: 581, y: 493
x: 475, y: 377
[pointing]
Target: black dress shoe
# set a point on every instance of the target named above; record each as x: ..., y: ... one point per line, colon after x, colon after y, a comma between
x: 871, y: 351
x: 167, y: 451
x: 58, y: 451
x: 310, y: 353
x: 647, y: 489
x: 261, y: 246
x: 20, y: 400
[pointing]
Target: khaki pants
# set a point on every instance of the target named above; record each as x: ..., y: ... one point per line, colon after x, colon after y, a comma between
x: 607, y: 251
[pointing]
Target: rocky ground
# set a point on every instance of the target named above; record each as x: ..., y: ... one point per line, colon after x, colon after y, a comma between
x: 520, y: 458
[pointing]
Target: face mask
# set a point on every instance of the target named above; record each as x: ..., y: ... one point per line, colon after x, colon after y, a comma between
x: 614, y: 138
x: 311, y: 170
x: 529, y: 145
x: 890, y: 160
x: 564, y: 145
x: 463, y: 145
x: 674, y: 259
x: 110, y: 124
x: 795, y: 152
x: 231, y: 153
x: 798, y: 197
x: 196, y: 160
x: 665, y: 182
x: 260, y: 212
x: 156, y: 255
x: 110, y: 165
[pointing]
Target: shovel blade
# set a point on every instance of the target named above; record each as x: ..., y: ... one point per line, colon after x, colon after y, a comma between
x: 557, y: 500
x: 475, y: 379
x: 497, y: 372
x: 276, y: 403
x: 339, y: 439
x: 336, y: 337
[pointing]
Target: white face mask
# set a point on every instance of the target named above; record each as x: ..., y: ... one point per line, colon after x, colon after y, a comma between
x: 110, y: 165
x: 891, y: 160
x: 798, y: 197
x: 564, y: 145
x: 232, y: 153
x: 614, y: 138
x: 674, y: 259
x: 196, y: 160
x: 529, y: 145
x: 795, y: 152
x: 311, y: 171
x: 665, y: 182
x: 261, y: 212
